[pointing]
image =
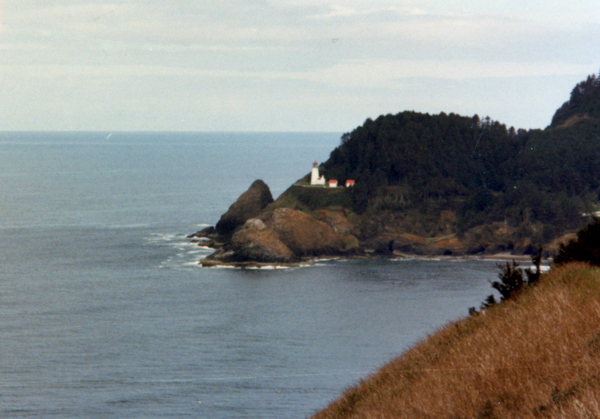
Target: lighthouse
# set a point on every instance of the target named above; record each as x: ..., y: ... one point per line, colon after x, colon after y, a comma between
x: 315, y: 179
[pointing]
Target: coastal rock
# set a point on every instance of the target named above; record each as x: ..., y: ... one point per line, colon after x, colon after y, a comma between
x: 207, y: 232
x: 253, y: 242
x: 256, y: 242
x: 336, y: 219
x: 306, y: 236
x: 249, y: 205
x: 206, y: 237
x: 286, y: 236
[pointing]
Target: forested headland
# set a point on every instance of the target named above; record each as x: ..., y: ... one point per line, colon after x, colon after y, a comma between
x: 429, y: 185
x: 473, y: 179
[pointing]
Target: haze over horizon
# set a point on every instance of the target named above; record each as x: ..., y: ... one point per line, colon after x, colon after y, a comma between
x: 290, y: 65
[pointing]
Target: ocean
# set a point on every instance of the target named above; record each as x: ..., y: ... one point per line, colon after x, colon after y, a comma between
x: 104, y: 311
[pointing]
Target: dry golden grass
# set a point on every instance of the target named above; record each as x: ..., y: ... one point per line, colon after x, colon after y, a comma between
x: 537, y: 356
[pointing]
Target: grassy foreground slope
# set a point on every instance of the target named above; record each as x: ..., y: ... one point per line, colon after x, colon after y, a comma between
x: 535, y: 356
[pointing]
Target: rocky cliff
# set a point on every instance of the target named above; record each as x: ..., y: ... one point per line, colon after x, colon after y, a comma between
x: 306, y: 223
x: 249, y: 205
x: 273, y: 235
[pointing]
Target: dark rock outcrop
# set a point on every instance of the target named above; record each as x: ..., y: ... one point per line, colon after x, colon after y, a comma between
x: 285, y: 236
x: 204, y: 233
x: 249, y: 205
x: 254, y: 242
x: 304, y: 235
x: 207, y: 237
x: 336, y: 219
x: 257, y: 242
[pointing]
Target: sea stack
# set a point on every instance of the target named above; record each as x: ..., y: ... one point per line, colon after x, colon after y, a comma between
x: 249, y: 205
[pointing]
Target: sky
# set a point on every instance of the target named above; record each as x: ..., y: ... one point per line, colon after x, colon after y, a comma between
x: 287, y: 65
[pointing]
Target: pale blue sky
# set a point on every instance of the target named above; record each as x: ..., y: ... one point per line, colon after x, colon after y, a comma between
x: 288, y: 65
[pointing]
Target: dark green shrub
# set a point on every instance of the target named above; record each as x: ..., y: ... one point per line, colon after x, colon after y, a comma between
x: 585, y: 248
x: 511, y: 280
x: 534, y: 276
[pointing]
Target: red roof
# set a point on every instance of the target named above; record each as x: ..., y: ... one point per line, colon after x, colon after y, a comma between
x: 332, y: 181
x: 350, y: 181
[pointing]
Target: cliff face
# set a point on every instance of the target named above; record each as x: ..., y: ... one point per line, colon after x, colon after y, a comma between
x: 304, y: 235
x: 276, y: 235
x: 253, y: 242
x: 249, y: 205
x: 385, y: 231
x: 280, y: 234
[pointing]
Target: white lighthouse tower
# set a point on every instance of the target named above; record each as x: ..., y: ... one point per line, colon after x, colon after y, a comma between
x: 315, y: 179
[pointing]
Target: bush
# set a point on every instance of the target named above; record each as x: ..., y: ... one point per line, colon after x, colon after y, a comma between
x: 585, y: 248
x: 511, y: 280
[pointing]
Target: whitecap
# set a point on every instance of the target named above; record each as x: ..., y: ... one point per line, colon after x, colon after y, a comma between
x: 201, y: 249
x: 326, y: 259
x: 222, y: 267
x: 162, y: 237
x: 194, y: 264
x: 268, y: 267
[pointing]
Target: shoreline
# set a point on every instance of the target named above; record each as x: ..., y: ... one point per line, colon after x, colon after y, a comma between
x: 306, y: 262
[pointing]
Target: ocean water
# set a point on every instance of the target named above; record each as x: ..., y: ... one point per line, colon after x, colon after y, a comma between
x: 105, y: 313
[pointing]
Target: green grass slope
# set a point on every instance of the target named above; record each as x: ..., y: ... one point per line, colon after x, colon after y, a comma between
x: 304, y: 197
